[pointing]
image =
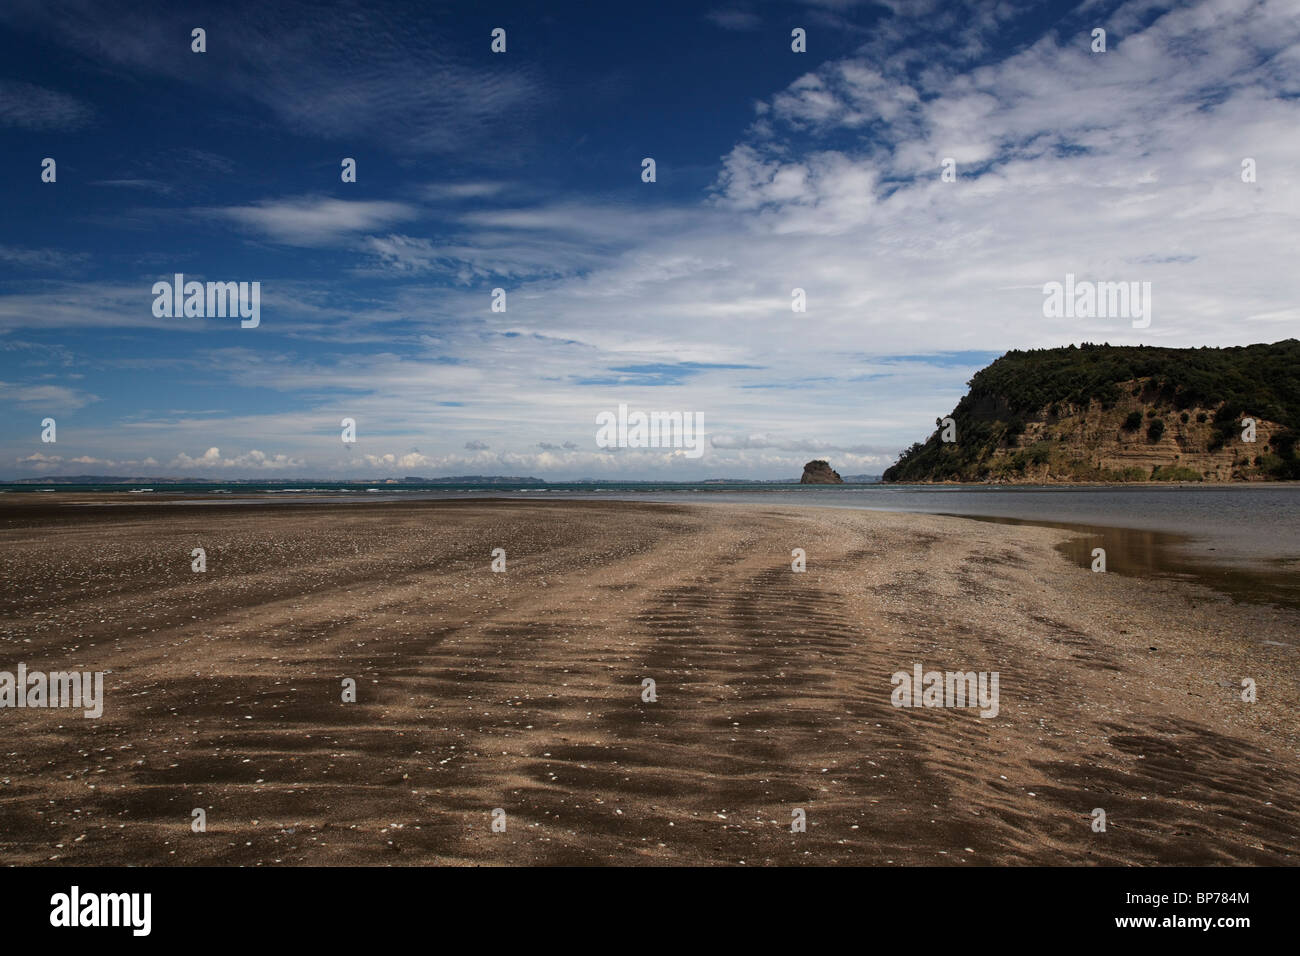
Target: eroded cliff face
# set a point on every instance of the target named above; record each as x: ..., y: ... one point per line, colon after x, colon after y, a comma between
x: 1120, y: 413
x: 1136, y: 439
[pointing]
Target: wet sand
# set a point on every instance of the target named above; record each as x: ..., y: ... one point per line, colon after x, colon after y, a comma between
x: 523, y: 691
x: 1157, y: 554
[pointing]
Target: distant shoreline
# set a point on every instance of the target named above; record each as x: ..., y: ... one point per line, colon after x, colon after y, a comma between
x: 319, y: 487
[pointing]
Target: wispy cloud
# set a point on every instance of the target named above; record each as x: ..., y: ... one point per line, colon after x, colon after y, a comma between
x: 40, y: 259
x: 149, y: 185
x: 464, y: 191
x: 329, y: 70
x: 732, y: 18
x: 35, y: 107
x: 800, y: 445
x: 314, y: 220
x: 48, y: 398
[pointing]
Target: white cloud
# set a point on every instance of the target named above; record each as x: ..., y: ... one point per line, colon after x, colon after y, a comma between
x: 314, y: 220
x: 757, y: 441
x: 463, y: 190
x: 253, y: 460
x: 51, y: 398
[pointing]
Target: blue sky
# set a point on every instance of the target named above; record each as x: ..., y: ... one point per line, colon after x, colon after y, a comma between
x: 522, y: 171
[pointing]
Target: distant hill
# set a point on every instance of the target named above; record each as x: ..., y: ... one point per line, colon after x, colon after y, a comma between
x: 1120, y: 413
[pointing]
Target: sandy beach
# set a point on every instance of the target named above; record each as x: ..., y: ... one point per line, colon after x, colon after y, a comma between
x: 523, y: 691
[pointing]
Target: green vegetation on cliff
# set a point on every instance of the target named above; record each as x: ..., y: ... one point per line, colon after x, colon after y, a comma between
x: 1028, y: 413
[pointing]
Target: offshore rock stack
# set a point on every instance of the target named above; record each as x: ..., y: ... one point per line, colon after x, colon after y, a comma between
x: 820, y: 473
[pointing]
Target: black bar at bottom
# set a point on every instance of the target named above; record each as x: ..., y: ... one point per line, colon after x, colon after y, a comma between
x: 644, y: 906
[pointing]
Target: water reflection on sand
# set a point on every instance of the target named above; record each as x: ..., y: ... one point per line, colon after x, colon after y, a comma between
x: 1160, y: 554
